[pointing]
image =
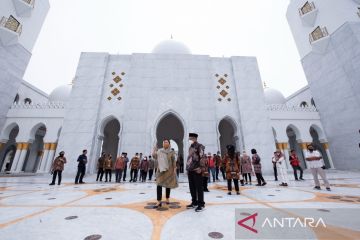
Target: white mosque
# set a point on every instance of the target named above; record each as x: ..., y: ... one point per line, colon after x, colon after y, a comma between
x: 129, y: 103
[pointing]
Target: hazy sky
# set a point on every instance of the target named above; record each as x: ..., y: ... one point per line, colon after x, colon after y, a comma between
x: 216, y: 28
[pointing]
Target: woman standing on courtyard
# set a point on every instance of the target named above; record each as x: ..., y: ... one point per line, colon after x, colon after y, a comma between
x: 257, y: 168
x: 166, y: 170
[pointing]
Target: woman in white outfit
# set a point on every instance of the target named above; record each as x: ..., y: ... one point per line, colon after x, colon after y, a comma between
x: 279, y: 160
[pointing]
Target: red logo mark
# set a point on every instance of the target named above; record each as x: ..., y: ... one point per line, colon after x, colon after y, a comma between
x: 253, y: 217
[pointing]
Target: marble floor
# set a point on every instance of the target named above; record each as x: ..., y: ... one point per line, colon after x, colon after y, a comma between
x: 31, y: 209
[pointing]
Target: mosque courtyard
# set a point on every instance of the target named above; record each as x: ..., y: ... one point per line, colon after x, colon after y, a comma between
x: 32, y: 209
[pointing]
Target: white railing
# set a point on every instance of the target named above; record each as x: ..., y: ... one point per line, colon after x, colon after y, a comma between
x: 48, y: 105
x: 286, y: 108
x: 30, y: 2
x: 308, y: 7
x: 12, y: 24
x: 318, y: 33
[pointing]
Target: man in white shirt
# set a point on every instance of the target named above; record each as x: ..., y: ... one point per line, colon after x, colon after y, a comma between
x: 314, y: 162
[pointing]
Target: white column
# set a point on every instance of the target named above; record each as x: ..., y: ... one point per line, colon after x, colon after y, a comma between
x: 24, y: 149
x: 326, y: 147
x: 285, y: 147
x: 303, y: 146
x: 44, y: 157
x: 16, y: 157
x: 51, y: 156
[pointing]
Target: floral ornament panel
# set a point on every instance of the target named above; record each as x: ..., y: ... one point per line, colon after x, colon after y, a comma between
x: 115, y: 85
x: 223, y: 86
x: 222, y: 81
x: 115, y: 91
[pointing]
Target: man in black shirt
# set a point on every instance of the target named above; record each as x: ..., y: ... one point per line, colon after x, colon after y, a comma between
x: 82, y: 159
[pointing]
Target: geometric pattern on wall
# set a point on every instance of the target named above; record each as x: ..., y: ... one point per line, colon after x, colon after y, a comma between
x: 115, y: 86
x: 223, y: 87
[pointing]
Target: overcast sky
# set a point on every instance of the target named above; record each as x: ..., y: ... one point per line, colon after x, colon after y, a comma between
x: 216, y: 28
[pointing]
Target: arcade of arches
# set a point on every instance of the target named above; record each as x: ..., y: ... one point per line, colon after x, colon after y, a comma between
x: 300, y: 147
x: 30, y: 156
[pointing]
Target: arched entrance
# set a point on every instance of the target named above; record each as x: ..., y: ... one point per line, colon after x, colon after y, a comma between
x: 8, y: 151
x: 227, y: 131
x: 110, y: 142
x: 318, y: 145
x: 36, y: 150
x: 171, y: 127
x: 293, y: 135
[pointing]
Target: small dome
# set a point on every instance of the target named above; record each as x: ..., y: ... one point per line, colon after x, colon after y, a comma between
x: 60, y: 94
x: 171, y: 47
x: 273, y: 96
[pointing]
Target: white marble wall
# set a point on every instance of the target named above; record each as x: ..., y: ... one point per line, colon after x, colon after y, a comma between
x: 155, y: 85
x: 82, y: 110
x: 13, y: 62
x: 255, y: 121
x: 334, y: 82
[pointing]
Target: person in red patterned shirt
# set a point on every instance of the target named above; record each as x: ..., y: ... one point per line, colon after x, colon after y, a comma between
x: 295, y: 163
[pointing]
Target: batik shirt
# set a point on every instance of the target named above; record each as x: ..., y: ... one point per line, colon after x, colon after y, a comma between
x: 196, y: 152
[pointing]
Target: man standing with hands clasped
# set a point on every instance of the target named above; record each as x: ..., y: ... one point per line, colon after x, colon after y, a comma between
x: 313, y: 159
x: 194, y: 171
x: 82, y: 159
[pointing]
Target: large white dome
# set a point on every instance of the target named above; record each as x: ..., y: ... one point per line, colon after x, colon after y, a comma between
x: 60, y: 94
x: 273, y: 96
x: 171, y: 47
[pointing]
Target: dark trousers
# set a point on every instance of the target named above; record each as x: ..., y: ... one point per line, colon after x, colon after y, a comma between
x: 107, y: 173
x: 133, y: 174
x: 151, y: 171
x: 245, y: 176
x: 223, y: 172
x: 236, y: 183
x: 205, y: 183
x: 275, y: 172
x: 159, y: 193
x: 124, y: 176
x: 143, y: 175
x: 118, y: 174
x: 295, y: 172
x: 80, y: 174
x: 100, y: 174
x: 196, y: 188
x: 57, y: 172
x: 217, y: 173
x: 260, y: 178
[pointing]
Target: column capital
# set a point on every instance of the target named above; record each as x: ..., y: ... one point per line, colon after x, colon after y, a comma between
x: 53, y: 146
x: 304, y: 145
x: 325, y: 145
x: 47, y: 146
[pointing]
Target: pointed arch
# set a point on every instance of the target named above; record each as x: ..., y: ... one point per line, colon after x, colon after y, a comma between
x: 7, y: 130
x: 227, y: 129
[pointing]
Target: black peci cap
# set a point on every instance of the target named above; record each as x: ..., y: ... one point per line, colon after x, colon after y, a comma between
x: 194, y: 135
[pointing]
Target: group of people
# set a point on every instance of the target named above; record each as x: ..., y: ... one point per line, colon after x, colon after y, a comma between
x: 137, y: 167
x: 200, y: 168
x: 314, y: 162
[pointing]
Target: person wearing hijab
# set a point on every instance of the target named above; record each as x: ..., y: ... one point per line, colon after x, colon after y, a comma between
x: 166, y: 173
x: 246, y: 167
x: 232, y: 168
x: 57, y: 167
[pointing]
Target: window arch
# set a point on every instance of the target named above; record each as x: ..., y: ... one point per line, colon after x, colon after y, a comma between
x: 313, y: 102
x: 304, y: 104
x: 17, y: 98
x: 27, y: 101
